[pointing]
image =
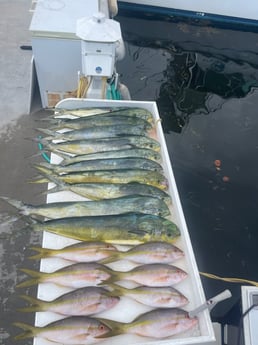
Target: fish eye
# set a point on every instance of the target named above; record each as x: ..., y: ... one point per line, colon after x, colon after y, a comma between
x: 101, y: 327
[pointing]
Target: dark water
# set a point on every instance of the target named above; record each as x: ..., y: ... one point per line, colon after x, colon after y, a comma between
x: 205, y: 81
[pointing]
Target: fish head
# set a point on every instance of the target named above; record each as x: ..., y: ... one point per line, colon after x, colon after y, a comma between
x: 168, y: 232
x: 110, y: 302
x: 177, y: 253
x: 99, y: 330
x: 185, y: 323
x: 179, y: 274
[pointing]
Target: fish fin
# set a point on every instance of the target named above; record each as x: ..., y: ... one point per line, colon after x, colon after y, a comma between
x: 38, y: 180
x: 28, y: 283
x: 116, y: 276
x: 117, y: 290
x: 44, y: 168
x: 51, y: 134
x: 30, y: 331
x: 36, y: 304
x: 17, y: 204
x: 34, y: 274
x: 42, y: 253
x: 138, y: 232
x: 112, y: 258
x: 116, y: 328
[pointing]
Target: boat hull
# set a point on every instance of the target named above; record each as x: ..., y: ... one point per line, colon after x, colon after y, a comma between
x: 233, y: 14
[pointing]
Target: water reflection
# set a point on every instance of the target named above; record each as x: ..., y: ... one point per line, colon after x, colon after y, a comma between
x: 194, y: 75
x: 199, y: 84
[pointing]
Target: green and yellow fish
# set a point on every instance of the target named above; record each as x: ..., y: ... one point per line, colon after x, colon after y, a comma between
x: 129, y: 228
x: 67, y: 209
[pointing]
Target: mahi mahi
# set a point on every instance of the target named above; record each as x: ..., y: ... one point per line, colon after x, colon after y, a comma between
x: 65, y: 209
x: 101, y: 145
x: 127, y: 153
x: 153, y: 178
x: 100, y: 120
x: 103, y: 164
x: 99, y: 191
x: 131, y: 228
x: 96, y: 132
x: 135, y: 112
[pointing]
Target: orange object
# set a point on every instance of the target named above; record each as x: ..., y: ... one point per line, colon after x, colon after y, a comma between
x: 217, y: 163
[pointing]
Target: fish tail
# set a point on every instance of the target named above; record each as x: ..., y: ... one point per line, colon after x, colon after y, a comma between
x: 116, y: 327
x: 24, y: 209
x: 117, y: 290
x: 30, y: 331
x: 45, y: 168
x: 36, y: 278
x: 36, y: 304
x: 51, y: 134
x: 116, y: 276
x: 38, y: 180
x: 42, y: 253
x: 112, y: 258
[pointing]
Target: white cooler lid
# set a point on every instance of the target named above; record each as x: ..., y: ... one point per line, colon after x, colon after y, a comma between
x: 58, y: 18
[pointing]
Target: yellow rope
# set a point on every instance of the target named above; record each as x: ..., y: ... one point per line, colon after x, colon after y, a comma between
x: 83, y: 86
x: 230, y: 280
x: 104, y: 84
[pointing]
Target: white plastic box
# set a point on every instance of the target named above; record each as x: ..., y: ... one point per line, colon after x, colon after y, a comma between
x: 249, y: 298
x: 126, y: 310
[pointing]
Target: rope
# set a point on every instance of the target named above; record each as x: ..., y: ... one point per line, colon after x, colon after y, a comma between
x: 230, y: 280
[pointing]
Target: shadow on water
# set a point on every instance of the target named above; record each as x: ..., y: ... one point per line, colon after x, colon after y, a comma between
x: 16, y: 170
x: 204, y: 81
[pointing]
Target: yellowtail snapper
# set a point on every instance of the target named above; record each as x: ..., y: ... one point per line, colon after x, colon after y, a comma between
x: 92, y: 274
x: 81, y: 302
x: 158, y: 323
x: 155, y: 297
x: 78, y: 252
x: 149, y: 253
x: 69, y: 331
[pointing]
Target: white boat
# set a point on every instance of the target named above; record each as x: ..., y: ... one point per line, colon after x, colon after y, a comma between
x: 236, y: 13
